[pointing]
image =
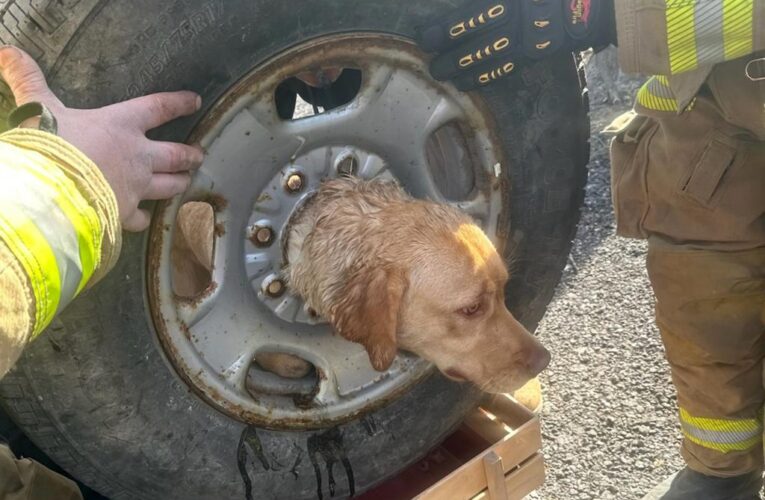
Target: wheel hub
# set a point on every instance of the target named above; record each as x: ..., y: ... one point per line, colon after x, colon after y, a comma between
x: 273, y: 210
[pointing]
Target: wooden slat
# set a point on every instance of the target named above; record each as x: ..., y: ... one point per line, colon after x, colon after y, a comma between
x: 509, y: 411
x: 518, y: 445
x: 522, y: 481
x: 490, y: 430
x: 470, y: 479
x: 495, y: 476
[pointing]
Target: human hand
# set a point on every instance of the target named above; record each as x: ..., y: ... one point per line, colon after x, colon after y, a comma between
x: 483, y: 42
x: 114, y: 137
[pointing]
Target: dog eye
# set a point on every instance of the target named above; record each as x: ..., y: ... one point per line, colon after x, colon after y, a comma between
x: 471, y: 310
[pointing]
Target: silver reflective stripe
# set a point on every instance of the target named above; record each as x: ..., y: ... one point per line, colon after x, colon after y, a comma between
x: 708, y: 19
x: 52, y: 223
x: 656, y: 95
x: 659, y: 86
x: 720, y: 437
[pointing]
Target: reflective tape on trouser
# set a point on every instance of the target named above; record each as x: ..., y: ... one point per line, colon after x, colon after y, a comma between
x: 708, y: 32
x: 657, y: 95
x: 49, y: 227
x: 723, y: 435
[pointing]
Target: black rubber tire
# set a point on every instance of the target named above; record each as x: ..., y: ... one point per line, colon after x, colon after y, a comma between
x: 95, y: 392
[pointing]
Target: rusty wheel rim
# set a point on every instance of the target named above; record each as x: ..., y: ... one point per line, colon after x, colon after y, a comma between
x: 248, y: 177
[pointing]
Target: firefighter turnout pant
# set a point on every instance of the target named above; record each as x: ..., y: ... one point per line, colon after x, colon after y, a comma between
x: 692, y: 182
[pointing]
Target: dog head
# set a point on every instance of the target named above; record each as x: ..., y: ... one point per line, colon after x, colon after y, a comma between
x: 442, y: 298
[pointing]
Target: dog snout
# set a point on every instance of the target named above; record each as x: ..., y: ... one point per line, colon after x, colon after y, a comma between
x: 531, y: 355
x: 537, y: 360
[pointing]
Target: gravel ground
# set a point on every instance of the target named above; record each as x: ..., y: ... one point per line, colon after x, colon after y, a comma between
x: 609, y: 424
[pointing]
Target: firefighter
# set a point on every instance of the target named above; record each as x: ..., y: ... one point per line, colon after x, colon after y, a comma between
x: 64, y: 201
x: 688, y: 175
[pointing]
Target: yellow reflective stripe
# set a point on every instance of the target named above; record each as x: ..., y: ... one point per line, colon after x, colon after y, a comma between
x: 80, y: 214
x: 724, y: 447
x: 28, y: 244
x: 717, y: 424
x: 738, y: 21
x: 721, y: 434
x: 50, y: 227
x: 681, y: 36
x: 651, y: 101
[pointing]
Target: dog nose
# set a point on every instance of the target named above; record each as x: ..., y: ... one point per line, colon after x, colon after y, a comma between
x: 538, y: 361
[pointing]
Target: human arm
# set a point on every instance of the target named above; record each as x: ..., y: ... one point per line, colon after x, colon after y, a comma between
x: 64, y: 200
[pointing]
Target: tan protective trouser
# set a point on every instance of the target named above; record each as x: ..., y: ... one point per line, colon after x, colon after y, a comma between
x: 26, y: 479
x: 693, y: 184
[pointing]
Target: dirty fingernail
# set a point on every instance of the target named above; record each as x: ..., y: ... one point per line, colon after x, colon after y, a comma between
x: 199, y: 102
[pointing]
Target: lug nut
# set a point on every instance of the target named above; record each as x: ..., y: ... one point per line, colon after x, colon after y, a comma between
x: 275, y: 288
x: 294, y: 183
x: 262, y: 236
x: 348, y: 165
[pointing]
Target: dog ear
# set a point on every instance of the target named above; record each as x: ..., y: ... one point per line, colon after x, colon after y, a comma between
x: 368, y: 311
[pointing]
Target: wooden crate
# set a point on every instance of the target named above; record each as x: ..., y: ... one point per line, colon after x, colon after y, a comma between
x: 494, y: 455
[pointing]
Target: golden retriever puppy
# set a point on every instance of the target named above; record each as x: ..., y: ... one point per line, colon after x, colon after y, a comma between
x: 388, y: 272
x: 391, y: 272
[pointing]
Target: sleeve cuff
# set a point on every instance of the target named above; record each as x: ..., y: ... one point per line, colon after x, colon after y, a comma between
x: 89, y: 181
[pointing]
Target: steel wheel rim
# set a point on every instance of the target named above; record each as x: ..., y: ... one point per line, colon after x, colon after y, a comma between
x: 210, y: 341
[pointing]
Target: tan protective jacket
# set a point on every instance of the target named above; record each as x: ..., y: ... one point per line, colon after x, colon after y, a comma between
x: 59, y: 232
x: 682, y: 40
